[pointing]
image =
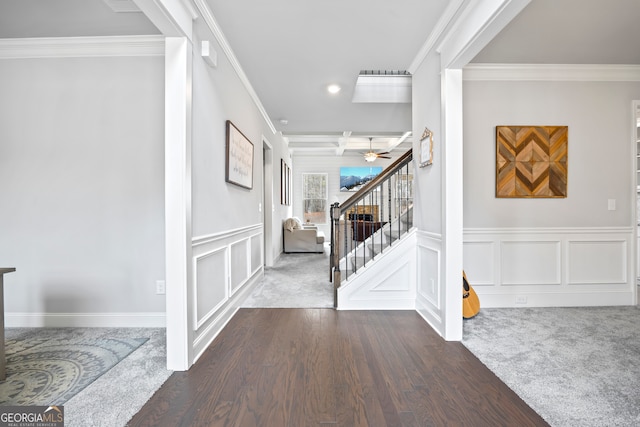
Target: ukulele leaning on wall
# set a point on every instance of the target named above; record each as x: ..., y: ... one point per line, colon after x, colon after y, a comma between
x: 470, y: 301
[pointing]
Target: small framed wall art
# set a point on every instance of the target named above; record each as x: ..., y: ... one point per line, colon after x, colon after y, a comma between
x: 426, y: 148
x: 239, y: 153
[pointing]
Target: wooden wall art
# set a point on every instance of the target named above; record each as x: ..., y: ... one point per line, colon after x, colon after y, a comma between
x: 531, y: 161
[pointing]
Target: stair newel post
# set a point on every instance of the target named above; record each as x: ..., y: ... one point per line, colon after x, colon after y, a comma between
x: 335, y: 248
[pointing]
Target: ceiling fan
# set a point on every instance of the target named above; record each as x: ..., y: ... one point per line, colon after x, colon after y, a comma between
x: 371, y: 155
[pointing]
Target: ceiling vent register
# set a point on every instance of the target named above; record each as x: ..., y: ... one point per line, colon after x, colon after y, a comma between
x: 382, y: 86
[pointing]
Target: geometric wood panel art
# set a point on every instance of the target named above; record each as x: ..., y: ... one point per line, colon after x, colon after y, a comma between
x: 531, y: 161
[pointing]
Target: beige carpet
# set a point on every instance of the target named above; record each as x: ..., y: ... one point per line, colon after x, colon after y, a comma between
x: 295, y: 281
x: 573, y: 366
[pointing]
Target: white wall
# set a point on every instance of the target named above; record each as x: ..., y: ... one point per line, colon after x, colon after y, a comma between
x: 552, y: 252
x: 81, y: 184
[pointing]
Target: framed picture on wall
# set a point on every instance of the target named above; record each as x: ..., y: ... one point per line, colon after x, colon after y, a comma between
x: 285, y: 183
x: 283, y: 197
x: 355, y: 177
x: 531, y: 161
x: 239, y: 154
x: 426, y: 148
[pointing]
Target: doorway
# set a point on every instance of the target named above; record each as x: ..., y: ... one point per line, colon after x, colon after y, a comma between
x: 267, y: 203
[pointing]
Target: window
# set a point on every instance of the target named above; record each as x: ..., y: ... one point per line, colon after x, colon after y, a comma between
x: 314, y: 198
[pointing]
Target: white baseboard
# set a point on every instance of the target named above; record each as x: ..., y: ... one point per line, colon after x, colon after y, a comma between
x: 556, y: 299
x: 85, y: 320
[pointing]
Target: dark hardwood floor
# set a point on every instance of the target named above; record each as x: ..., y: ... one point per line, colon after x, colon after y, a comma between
x: 320, y: 367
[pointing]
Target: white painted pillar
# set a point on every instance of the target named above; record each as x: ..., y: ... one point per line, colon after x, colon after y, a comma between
x: 178, y: 87
x: 452, y: 203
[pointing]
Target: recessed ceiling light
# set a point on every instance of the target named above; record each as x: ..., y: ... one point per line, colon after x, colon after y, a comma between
x: 333, y: 89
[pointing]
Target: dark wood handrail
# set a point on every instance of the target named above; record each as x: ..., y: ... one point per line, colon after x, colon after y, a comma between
x: 390, y: 170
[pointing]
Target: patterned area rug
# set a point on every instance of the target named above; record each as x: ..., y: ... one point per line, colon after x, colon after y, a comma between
x: 49, y: 366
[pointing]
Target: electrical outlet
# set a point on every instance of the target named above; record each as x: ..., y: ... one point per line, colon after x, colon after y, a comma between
x: 160, y: 287
x: 521, y: 299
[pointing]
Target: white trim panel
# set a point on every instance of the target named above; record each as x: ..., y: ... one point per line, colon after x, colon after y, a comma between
x: 550, y: 267
x: 223, y: 265
x: 530, y: 262
x: 75, y: 47
x: 592, y: 262
x: 210, y: 283
x: 386, y: 284
x: 429, y: 297
x: 429, y: 260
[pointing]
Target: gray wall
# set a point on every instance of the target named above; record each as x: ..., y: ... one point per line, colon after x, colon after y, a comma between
x: 81, y: 185
x: 599, y: 118
x: 427, y: 114
x: 570, y: 251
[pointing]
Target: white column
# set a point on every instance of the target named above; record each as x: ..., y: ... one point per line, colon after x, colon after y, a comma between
x: 178, y: 86
x: 452, y: 204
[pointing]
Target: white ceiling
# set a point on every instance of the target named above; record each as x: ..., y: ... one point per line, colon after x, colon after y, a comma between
x: 292, y: 49
x: 69, y: 18
x: 569, y: 32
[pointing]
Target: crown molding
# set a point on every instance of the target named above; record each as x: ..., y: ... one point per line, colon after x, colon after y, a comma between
x: 211, y: 22
x: 552, y: 72
x: 446, y: 18
x: 74, y: 47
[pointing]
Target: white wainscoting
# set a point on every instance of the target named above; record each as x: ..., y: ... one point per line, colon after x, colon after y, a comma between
x: 550, y: 266
x: 226, y: 267
x: 387, y: 284
x: 429, y: 298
